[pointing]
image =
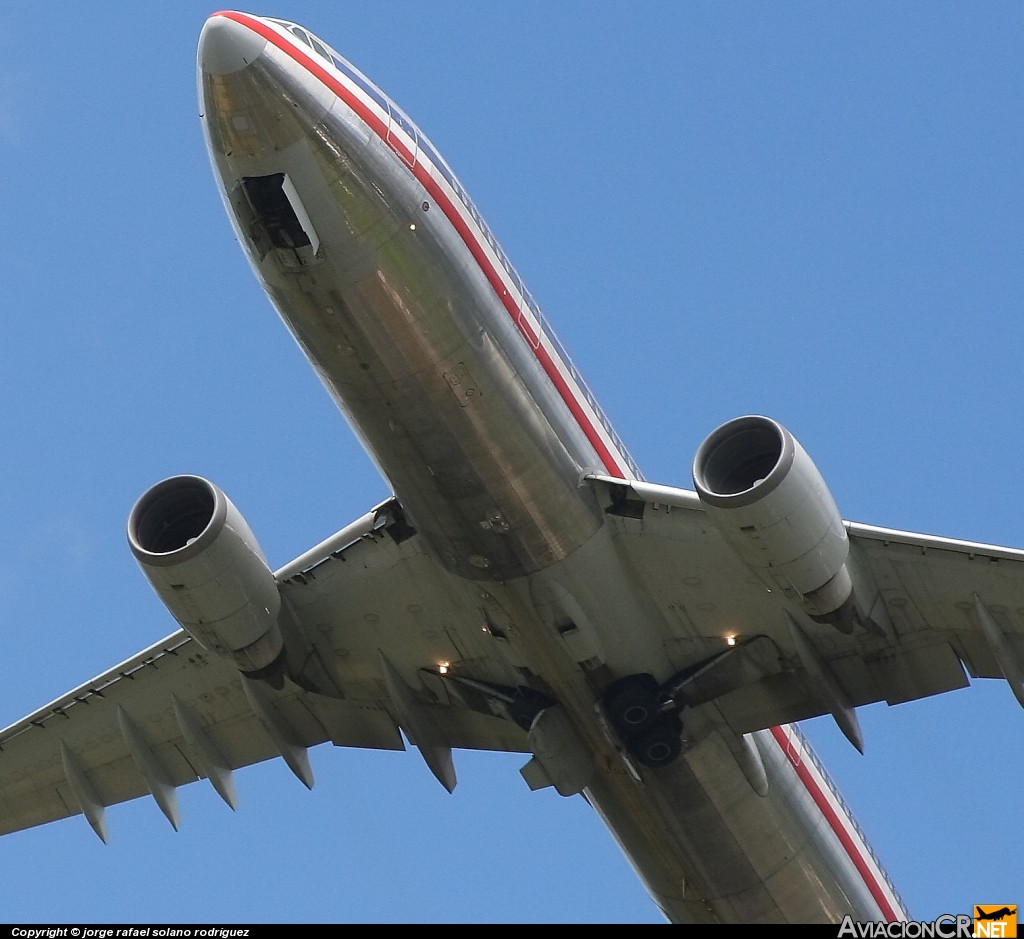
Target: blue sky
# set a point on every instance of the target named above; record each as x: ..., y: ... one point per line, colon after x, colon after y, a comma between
x: 808, y: 210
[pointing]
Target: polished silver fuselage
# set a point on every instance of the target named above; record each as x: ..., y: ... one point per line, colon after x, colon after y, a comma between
x: 423, y: 334
x: 408, y: 336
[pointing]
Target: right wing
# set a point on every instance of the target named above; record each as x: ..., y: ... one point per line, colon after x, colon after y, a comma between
x: 942, y: 611
x: 175, y: 712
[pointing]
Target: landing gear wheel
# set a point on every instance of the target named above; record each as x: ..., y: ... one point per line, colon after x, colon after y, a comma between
x: 659, y: 744
x: 632, y: 703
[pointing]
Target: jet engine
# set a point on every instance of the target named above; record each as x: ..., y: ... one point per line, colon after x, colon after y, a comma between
x: 767, y: 498
x: 205, y: 564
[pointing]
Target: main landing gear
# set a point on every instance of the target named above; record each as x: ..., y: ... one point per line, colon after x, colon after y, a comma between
x: 647, y: 723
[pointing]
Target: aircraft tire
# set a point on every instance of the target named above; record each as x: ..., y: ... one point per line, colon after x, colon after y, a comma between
x: 660, y: 744
x: 632, y: 703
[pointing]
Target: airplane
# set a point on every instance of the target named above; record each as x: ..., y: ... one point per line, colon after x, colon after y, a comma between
x: 1001, y: 913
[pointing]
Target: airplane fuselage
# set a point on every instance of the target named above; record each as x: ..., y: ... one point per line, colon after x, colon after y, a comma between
x: 401, y: 315
x: 425, y: 336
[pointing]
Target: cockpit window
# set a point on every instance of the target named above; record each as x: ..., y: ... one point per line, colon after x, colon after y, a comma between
x: 306, y: 38
x: 299, y: 33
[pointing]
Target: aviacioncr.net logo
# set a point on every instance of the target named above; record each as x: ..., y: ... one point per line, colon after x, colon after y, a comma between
x: 999, y: 922
x: 989, y: 922
x: 947, y: 926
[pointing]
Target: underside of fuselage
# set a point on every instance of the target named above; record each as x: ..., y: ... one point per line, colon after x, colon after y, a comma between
x: 403, y: 328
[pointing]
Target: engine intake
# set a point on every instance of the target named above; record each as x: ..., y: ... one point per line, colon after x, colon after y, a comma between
x: 767, y: 498
x: 204, y: 562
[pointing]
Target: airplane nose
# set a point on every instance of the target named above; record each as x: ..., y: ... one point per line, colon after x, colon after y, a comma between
x: 226, y: 46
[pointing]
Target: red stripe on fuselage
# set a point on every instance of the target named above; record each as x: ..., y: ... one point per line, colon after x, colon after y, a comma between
x: 837, y: 823
x: 458, y: 221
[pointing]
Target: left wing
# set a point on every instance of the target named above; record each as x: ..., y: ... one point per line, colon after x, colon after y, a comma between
x: 933, y: 613
x: 175, y: 712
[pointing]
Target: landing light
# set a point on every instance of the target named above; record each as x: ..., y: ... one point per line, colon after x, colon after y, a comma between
x: 443, y: 667
x: 730, y: 640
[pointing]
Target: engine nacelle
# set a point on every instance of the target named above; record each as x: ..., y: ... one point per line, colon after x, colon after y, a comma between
x: 768, y: 499
x: 205, y: 564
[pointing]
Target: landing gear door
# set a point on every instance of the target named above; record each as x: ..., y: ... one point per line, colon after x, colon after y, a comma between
x: 272, y: 216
